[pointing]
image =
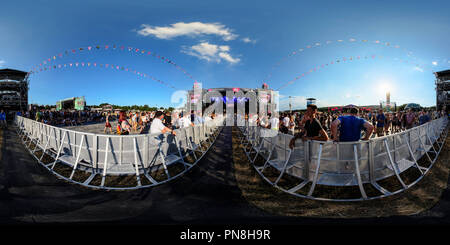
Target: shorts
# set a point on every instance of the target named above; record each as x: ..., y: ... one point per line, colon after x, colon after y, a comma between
x: 380, y: 130
x: 108, y: 125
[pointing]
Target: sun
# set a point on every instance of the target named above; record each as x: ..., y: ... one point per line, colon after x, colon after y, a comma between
x: 385, y: 87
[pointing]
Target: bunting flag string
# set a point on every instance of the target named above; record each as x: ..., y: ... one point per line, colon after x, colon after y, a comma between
x: 114, y: 47
x: 351, y: 58
x: 318, y: 44
x: 101, y: 65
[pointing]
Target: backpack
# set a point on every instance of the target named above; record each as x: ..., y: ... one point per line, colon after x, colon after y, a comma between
x: 119, y: 129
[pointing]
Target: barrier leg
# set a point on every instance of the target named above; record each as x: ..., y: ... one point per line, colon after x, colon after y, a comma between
x: 426, y: 152
x: 163, y: 161
x: 316, y: 172
x: 105, y: 165
x: 136, y: 166
x: 413, y: 157
x: 393, y: 165
x: 284, y: 167
x: 358, y: 174
x: 78, y: 157
x: 268, y: 158
x: 59, y: 149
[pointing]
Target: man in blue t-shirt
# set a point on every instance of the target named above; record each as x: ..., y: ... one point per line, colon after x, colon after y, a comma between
x: 3, y: 119
x: 350, y: 127
x: 423, y: 118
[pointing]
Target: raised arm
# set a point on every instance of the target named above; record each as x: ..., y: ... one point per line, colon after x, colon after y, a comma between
x: 369, y: 130
x: 334, y: 126
x: 323, y: 136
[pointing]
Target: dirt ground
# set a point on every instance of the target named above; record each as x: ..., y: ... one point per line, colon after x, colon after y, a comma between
x: 423, y: 196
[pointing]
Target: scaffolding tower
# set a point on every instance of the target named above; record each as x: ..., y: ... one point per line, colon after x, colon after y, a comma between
x: 442, y: 90
x: 13, y: 90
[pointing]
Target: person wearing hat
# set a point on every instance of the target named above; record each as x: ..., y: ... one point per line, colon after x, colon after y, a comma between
x: 350, y: 126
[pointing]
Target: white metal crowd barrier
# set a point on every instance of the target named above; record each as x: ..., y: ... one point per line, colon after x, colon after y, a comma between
x: 345, y: 163
x: 116, y: 155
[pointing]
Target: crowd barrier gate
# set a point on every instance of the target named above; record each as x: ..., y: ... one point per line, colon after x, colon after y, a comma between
x: 116, y: 155
x: 345, y: 163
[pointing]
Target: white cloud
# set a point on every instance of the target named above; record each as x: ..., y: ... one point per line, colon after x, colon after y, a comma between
x: 248, y: 40
x: 2, y: 62
x: 227, y: 57
x: 416, y: 68
x: 210, y: 52
x: 434, y: 63
x: 187, y: 29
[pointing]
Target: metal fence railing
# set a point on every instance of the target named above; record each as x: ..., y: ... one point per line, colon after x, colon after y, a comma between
x: 341, y: 164
x: 101, y: 155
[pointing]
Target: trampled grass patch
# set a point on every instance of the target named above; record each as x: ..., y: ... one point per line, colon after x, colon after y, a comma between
x: 422, y: 196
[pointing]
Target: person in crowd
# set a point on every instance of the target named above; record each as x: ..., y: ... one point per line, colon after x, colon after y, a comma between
x: 387, y: 123
x: 311, y: 128
x: 423, y: 118
x: 168, y: 120
x: 285, y: 124
x: 3, y: 123
x: 274, y: 122
x: 123, y: 126
x: 263, y: 121
x: 292, y: 125
x: 395, y: 122
x: 381, y: 120
x: 144, y: 119
x: 134, y: 121
x: 183, y: 121
x: 157, y: 126
x: 350, y: 127
x: 410, y: 119
x: 38, y: 116
x: 197, y: 119
x: 107, y: 124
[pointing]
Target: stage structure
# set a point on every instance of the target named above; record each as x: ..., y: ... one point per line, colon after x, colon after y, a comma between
x: 13, y: 90
x: 74, y: 103
x: 442, y: 90
x: 232, y: 99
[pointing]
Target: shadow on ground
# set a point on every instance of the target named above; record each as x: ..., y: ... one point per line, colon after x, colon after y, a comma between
x: 210, y: 193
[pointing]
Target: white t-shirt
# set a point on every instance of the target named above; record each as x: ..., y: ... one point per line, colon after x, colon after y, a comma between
x: 184, y: 122
x: 286, y: 122
x: 274, y: 123
x: 157, y: 126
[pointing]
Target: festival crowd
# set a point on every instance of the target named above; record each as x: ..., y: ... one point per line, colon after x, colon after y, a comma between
x: 350, y: 124
x: 127, y: 122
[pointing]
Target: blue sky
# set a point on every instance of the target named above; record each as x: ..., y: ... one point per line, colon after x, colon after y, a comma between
x: 230, y: 44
